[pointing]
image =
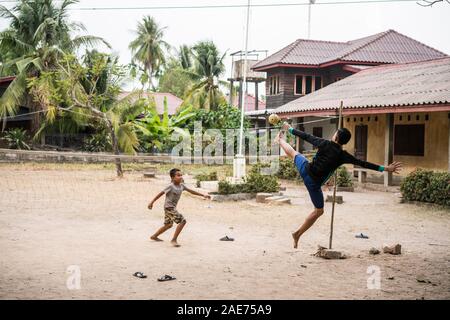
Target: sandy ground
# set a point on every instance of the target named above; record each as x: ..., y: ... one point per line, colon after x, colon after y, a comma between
x: 50, y: 220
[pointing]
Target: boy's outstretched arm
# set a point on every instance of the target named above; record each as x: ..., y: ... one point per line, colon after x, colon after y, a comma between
x: 394, y: 167
x: 159, y: 195
x: 315, y: 141
x: 206, y: 196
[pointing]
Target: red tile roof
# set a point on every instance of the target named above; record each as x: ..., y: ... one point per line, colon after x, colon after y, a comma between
x: 250, y: 103
x: 173, y: 102
x: 385, y: 47
x: 415, y: 84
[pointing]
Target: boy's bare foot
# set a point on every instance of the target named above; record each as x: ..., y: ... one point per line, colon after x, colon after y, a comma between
x: 175, y: 244
x: 155, y: 238
x: 296, y: 238
x: 279, y: 136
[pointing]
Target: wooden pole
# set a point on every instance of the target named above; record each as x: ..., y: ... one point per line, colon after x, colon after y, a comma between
x: 335, y: 186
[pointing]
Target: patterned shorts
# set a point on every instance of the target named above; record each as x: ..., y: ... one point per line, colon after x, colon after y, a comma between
x: 172, y: 215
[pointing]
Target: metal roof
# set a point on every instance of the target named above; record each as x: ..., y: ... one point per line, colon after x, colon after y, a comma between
x: 409, y: 84
x: 385, y: 47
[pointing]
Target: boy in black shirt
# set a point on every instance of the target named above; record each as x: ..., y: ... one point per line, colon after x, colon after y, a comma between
x: 315, y: 173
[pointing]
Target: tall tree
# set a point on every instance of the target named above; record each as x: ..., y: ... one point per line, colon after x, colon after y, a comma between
x: 174, y: 79
x: 148, y: 50
x: 208, y: 67
x: 185, y: 56
x: 74, y: 88
x: 39, y: 33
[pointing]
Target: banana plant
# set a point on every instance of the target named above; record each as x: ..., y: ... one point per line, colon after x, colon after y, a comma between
x: 155, y: 130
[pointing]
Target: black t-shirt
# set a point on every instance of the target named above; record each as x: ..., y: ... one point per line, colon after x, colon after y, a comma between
x: 329, y: 157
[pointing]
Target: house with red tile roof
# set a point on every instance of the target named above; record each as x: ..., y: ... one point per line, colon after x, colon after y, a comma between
x: 305, y: 66
x: 394, y: 90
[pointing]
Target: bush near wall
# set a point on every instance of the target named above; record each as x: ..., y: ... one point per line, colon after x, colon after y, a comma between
x: 212, y: 176
x: 254, y: 182
x: 287, y: 169
x: 344, y: 178
x: 427, y: 186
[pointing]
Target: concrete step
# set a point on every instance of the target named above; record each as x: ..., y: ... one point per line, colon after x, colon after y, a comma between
x: 262, y: 196
x: 149, y: 174
x: 273, y: 198
x: 278, y: 200
x: 282, y: 201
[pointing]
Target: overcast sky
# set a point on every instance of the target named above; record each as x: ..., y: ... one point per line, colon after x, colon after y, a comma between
x: 271, y: 28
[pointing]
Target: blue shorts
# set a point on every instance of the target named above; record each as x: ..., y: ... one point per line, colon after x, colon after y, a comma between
x: 314, y: 188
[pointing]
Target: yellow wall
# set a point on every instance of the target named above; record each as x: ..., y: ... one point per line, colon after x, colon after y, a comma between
x: 436, y: 139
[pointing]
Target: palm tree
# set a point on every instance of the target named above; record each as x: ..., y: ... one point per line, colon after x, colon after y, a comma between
x: 185, y: 56
x: 208, y: 67
x: 73, y: 88
x: 148, y: 49
x: 38, y: 34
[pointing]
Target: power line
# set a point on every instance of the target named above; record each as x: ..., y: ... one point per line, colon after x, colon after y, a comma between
x: 223, y: 6
x: 327, y: 118
x: 235, y: 5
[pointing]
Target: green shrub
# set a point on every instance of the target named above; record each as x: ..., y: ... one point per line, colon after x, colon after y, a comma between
x: 427, y: 186
x: 17, y: 139
x: 287, y: 169
x: 254, y: 182
x: 98, y: 142
x: 344, y: 178
x: 212, y: 176
x: 227, y: 188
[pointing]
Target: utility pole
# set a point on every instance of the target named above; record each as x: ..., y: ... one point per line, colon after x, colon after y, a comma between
x: 239, y: 160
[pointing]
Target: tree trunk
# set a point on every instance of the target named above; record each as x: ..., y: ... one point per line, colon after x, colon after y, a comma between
x: 33, y: 106
x: 115, y: 146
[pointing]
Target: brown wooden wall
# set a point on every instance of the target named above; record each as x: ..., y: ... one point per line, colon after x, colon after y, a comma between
x: 287, y: 82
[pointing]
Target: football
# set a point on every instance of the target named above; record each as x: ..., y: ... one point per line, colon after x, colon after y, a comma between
x: 274, y: 119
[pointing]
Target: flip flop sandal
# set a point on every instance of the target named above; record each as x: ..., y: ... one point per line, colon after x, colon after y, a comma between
x: 139, y: 275
x: 226, y: 238
x: 166, y: 278
x: 362, y: 236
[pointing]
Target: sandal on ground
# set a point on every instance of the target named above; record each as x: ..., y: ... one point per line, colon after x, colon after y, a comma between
x: 226, y: 238
x: 139, y: 275
x: 166, y: 278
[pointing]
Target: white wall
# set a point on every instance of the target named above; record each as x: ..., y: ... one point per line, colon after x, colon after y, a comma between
x: 328, y: 129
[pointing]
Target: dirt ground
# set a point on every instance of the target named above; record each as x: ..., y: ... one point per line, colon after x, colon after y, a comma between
x: 53, y: 219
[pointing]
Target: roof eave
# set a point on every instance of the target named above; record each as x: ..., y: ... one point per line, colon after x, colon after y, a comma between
x: 368, y: 110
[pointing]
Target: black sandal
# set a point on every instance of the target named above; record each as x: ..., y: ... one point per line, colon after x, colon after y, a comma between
x: 166, y: 278
x: 139, y: 275
x: 226, y: 238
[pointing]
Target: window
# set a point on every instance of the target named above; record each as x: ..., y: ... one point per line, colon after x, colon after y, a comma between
x: 298, y: 84
x: 409, y: 140
x: 307, y: 84
x: 318, y: 131
x: 317, y: 83
x: 274, y: 85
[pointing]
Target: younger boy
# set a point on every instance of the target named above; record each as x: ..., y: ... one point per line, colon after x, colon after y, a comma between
x: 173, y: 194
x: 329, y: 157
